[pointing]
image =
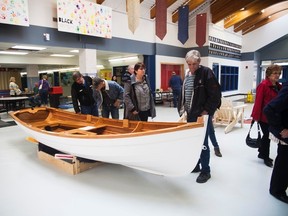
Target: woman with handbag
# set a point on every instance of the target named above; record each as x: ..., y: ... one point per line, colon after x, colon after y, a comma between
x: 265, y: 92
x: 44, y: 87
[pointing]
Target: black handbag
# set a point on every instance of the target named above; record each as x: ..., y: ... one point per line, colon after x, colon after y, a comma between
x: 252, y: 142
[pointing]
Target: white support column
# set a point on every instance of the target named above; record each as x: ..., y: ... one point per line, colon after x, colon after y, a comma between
x: 88, y: 62
x: 32, y: 76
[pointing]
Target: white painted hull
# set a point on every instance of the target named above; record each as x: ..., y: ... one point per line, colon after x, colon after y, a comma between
x: 170, y: 154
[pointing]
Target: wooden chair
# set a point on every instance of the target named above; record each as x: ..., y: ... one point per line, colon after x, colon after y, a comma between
x: 226, y: 115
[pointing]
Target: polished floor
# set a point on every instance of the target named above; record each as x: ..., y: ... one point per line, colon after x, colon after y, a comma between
x: 239, y: 183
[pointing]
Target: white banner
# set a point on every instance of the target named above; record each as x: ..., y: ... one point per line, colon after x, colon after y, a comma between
x: 83, y: 17
x: 14, y: 12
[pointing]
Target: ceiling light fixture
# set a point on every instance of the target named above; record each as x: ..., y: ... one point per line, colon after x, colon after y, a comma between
x: 123, y: 59
x: 74, y: 51
x: 13, y: 53
x: 28, y: 47
x: 61, y: 55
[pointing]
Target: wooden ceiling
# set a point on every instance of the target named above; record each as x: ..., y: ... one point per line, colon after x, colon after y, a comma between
x: 242, y: 15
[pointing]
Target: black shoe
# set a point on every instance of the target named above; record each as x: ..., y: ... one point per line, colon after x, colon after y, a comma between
x: 261, y: 157
x: 203, y: 177
x: 268, y: 162
x: 196, y: 169
x: 283, y: 197
x: 217, y: 152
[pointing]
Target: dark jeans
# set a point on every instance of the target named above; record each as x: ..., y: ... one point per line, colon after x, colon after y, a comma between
x: 279, y: 178
x: 44, y: 96
x: 106, y: 110
x: 205, y: 153
x: 212, y: 135
x: 143, y: 115
x: 176, y: 95
x: 264, y: 149
x: 92, y: 110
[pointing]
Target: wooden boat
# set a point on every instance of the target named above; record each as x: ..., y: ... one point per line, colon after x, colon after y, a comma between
x: 164, y: 148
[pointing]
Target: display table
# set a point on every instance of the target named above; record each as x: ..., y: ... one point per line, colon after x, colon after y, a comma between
x: 13, y: 103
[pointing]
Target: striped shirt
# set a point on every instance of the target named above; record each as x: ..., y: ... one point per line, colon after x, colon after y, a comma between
x: 189, y: 91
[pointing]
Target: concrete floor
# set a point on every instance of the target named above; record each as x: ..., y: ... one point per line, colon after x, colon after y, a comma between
x: 239, y: 184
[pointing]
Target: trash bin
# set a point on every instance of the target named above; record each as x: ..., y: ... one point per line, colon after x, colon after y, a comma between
x: 54, y: 96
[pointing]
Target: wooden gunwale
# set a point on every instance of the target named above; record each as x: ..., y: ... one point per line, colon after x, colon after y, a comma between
x: 129, y: 128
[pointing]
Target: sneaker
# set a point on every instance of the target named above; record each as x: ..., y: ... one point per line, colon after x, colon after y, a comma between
x: 203, y: 177
x: 217, y: 152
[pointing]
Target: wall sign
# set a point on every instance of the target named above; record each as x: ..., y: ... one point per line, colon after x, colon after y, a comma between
x: 223, y: 48
x: 83, y: 17
x: 14, y: 12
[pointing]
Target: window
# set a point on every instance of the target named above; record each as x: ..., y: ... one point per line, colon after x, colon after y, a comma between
x: 229, y: 78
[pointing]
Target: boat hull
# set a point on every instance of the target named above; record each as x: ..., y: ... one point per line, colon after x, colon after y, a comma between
x: 171, y: 153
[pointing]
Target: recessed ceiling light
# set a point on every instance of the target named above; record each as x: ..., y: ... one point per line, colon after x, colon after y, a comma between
x: 13, y: 53
x: 123, y: 59
x: 28, y: 47
x: 74, y: 51
x: 61, y: 55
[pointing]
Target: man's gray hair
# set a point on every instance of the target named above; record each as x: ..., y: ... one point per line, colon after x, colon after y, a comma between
x: 193, y: 55
x: 97, y: 81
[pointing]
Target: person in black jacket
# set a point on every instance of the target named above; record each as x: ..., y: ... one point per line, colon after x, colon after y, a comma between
x: 82, y: 93
x: 201, y: 95
x: 276, y: 112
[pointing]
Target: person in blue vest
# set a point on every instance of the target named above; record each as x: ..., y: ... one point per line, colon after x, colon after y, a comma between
x: 175, y: 83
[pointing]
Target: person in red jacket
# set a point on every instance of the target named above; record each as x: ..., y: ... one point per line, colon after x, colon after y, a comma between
x: 265, y: 92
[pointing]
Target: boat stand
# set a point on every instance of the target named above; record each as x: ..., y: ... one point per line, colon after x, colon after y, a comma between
x: 70, y: 164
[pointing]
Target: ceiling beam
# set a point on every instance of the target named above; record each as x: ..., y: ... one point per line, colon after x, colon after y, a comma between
x: 252, y: 20
x: 250, y: 9
x: 193, y: 4
x: 153, y: 8
x: 220, y: 9
x: 264, y: 22
x: 99, y: 1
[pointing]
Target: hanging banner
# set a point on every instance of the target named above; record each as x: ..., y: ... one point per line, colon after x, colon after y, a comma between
x: 201, y: 20
x: 133, y: 12
x: 83, y: 17
x: 14, y: 12
x: 183, y: 23
x: 161, y: 18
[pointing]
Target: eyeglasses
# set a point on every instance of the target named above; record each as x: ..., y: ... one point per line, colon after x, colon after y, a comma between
x: 277, y: 73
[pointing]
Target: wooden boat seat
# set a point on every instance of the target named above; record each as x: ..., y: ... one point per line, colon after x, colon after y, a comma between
x: 79, y: 132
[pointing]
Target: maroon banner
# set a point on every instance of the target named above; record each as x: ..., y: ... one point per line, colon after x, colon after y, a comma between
x: 161, y: 18
x: 201, y: 20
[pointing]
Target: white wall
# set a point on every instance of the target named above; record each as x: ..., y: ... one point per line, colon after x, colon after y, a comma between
x: 42, y: 12
x: 265, y: 34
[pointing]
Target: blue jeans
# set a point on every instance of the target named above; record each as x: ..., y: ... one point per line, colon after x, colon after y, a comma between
x: 176, y: 95
x: 205, y: 153
x: 92, y: 110
x: 44, y: 96
x: 212, y: 133
x: 106, y: 110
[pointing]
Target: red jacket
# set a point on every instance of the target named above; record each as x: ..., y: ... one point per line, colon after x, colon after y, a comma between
x: 265, y: 92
